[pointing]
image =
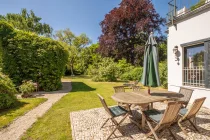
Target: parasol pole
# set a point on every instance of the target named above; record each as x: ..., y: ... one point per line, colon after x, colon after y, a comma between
x: 149, y: 90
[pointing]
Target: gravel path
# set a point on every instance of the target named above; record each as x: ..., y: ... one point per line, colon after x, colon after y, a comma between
x: 20, y: 125
x: 86, y: 124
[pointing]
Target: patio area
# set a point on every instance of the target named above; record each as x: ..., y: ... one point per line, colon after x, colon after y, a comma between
x: 85, y: 125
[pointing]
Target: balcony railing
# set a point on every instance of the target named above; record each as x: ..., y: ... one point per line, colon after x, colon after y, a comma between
x: 181, y: 7
x: 194, y: 76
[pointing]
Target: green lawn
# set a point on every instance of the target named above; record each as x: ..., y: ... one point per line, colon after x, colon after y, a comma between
x: 7, y: 116
x: 55, y: 124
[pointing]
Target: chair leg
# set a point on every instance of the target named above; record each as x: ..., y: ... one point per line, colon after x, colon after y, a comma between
x: 116, y: 123
x: 171, y: 133
x: 104, y: 123
x: 152, y: 131
x: 182, y: 128
x: 194, y: 121
x: 193, y: 125
x: 117, y: 126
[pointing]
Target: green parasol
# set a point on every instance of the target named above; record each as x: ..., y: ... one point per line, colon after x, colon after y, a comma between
x: 150, y: 75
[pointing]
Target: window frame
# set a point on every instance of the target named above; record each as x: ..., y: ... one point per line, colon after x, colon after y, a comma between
x: 206, y: 43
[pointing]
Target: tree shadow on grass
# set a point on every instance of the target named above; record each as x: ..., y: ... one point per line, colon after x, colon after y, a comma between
x: 80, y: 86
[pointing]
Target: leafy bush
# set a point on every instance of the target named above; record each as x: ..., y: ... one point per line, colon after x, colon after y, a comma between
x: 104, y: 70
x: 6, y: 85
x: 163, y: 74
x: 133, y: 75
x: 7, y: 101
x: 123, y: 66
x: 199, y: 4
x: 27, y: 88
x: 27, y: 56
x: 7, y: 91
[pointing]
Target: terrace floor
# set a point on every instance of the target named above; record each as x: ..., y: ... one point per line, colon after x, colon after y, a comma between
x: 86, y: 124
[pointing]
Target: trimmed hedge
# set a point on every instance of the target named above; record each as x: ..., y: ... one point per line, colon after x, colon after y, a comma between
x: 27, y: 56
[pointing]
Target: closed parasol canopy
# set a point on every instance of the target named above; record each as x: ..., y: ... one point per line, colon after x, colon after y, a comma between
x: 150, y: 76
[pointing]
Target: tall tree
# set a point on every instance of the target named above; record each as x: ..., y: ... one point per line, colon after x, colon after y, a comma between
x: 65, y: 35
x: 125, y: 29
x: 75, y: 44
x: 28, y: 21
x: 81, y: 41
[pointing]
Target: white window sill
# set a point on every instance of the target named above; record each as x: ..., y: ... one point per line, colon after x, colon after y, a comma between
x: 191, y: 87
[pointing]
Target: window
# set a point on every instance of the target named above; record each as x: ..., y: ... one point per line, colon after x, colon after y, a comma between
x: 194, y: 66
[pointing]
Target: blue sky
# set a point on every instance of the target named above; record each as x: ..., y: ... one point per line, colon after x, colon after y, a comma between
x: 81, y: 16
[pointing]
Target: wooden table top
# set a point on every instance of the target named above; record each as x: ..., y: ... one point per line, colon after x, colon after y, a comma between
x: 137, y: 98
x: 170, y: 95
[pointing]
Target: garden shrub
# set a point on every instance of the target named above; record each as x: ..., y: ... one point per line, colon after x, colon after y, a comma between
x: 163, y: 74
x: 7, y: 92
x: 27, y: 88
x: 104, y: 70
x: 123, y: 66
x: 27, y: 56
x: 6, y: 85
x: 7, y: 101
x: 132, y: 75
x: 199, y: 4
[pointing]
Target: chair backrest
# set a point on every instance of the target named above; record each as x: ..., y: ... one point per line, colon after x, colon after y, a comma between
x: 136, y: 88
x: 136, y: 82
x: 118, y: 89
x: 171, y: 112
x: 195, y: 108
x: 103, y: 102
x: 187, y: 93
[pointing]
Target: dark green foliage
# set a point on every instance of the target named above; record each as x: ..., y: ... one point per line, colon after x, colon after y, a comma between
x: 163, y: 71
x: 199, y: 4
x: 6, y: 31
x: 27, y: 56
x: 7, y: 91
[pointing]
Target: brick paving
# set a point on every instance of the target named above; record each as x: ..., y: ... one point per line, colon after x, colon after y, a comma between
x: 17, y: 128
x: 86, y: 124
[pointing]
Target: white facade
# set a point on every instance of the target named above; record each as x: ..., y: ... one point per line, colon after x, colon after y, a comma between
x: 189, y: 29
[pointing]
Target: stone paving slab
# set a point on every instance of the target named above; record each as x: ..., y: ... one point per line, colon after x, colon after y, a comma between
x: 85, y: 125
x: 17, y: 128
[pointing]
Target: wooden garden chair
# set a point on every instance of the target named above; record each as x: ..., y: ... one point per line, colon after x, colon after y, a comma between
x: 187, y: 93
x: 113, y: 112
x: 130, y: 85
x: 163, y: 120
x: 188, y: 114
x: 118, y: 89
x: 136, y: 88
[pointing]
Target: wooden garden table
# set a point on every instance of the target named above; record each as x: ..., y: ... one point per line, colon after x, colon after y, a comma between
x: 137, y: 98
x: 141, y: 98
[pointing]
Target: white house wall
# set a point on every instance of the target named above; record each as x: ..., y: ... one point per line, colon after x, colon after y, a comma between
x: 189, y: 30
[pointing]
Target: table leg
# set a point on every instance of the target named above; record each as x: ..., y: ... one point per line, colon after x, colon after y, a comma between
x: 143, y: 120
x: 151, y: 107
